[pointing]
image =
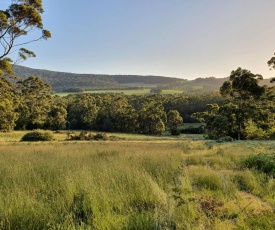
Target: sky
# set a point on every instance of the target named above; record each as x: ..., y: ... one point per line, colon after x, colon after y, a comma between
x: 175, y: 38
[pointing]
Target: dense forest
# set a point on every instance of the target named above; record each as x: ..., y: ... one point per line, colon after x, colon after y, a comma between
x: 30, y: 104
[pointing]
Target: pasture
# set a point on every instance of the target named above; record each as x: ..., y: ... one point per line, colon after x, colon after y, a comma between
x: 136, y: 182
x: 125, y: 92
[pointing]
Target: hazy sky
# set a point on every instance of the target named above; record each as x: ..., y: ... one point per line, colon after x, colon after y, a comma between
x: 176, y: 38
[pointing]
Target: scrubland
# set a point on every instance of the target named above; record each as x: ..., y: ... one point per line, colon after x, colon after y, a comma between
x: 134, y: 184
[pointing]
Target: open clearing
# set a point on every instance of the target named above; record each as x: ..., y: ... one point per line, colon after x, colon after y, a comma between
x: 125, y: 92
x: 136, y: 182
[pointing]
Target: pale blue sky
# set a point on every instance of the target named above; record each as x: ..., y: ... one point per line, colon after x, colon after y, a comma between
x: 176, y: 38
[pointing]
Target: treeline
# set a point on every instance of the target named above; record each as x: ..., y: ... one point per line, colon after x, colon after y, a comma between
x: 201, y: 86
x: 248, y: 111
x: 30, y: 104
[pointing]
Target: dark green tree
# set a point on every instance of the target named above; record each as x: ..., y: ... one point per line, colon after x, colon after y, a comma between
x: 173, y: 121
x: 8, y: 104
x: 82, y: 112
x: 116, y: 114
x: 35, y: 103
x: 57, y: 116
x: 152, y: 117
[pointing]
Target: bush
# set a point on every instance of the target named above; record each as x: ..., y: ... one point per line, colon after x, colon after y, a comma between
x: 175, y: 132
x: 253, y: 132
x: 271, y: 134
x: 262, y: 162
x: 85, y: 136
x: 193, y: 130
x: 38, y: 135
x: 225, y: 139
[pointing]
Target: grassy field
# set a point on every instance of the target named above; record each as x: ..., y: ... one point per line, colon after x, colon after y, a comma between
x: 136, y: 182
x: 126, y: 92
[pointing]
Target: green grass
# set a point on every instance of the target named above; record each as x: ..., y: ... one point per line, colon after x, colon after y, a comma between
x: 139, y: 182
x: 126, y: 92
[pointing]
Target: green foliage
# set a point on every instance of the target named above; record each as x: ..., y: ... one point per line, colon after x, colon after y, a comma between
x: 247, y: 181
x: 253, y: 132
x: 248, y: 112
x: 35, y: 103
x: 21, y: 18
x: 262, y: 162
x: 152, y: 117
x: 156, y: 91
x: 82, y: 112
x: 61, y: 81
x: 173, y: 121
x: 38, y: 135
x: 57, y: 116
x: 193, y: 130
x: 85, y: 136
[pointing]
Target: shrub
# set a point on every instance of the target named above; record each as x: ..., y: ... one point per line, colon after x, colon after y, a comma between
x: 85, y: 136
x: 262, y: 162
x: 253, y: 132
x: 175, y: 132
x: 193, y: 130
x: 38, y: 135
x: 225, y: 139
x: 271, y: 134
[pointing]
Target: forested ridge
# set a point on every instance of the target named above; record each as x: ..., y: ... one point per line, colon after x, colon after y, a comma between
x: 61, y: 80
x: 69, y: 82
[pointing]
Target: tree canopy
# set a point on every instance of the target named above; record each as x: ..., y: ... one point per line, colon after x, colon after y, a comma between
x: 19, y: 20
x: 248, y: 111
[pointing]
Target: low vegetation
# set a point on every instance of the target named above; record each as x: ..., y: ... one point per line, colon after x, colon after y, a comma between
x: 38, y: 135
x: 148, y: 184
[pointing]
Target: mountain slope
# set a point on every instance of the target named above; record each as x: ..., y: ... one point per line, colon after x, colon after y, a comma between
x: 62, y: 80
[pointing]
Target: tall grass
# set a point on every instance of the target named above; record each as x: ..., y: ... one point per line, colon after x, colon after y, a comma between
x: 133, y: 185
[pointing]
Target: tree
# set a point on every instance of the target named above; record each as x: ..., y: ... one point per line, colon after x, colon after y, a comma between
x: 57, y: 115
x: 271, y: 64
x: 116, y: 114
x: 152, y: 117
x: 8, y: 104
x: 21, y: 18
x: 173, y: 121
x: 155, y: 91
x: 35, y: 103
x: 82, y: 112
x: 248, y: 107
x: 243, y: 90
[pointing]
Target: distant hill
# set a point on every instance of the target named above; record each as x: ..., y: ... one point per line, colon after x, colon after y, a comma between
x: 60, y: 80
x: 205, y: 85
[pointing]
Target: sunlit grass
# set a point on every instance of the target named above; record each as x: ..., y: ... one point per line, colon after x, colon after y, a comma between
x: 125, y: 92
x: 133, y: 184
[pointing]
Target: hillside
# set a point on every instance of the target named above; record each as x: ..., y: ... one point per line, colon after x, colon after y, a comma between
x: 61, y: 80
x: 204, y: 85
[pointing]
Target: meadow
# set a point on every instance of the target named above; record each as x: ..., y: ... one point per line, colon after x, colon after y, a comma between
x: 125, y: 92
x: 134, y: 182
